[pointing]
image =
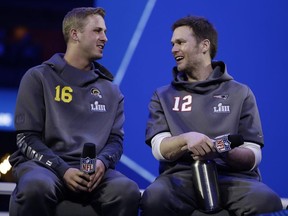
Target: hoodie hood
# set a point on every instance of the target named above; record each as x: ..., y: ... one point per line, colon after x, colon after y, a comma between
x: 218, y: 76
x: 74, y: 75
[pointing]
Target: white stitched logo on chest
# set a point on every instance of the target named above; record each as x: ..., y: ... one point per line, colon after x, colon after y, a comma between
x: 96, y: 107
x: 220, y: 108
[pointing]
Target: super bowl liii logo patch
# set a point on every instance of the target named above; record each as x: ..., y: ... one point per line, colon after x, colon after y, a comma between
x: 88, y: 165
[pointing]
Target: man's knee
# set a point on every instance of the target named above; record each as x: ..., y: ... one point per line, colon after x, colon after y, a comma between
x: 34, y: 188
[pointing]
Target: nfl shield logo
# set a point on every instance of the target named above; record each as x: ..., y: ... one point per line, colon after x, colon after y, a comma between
x: 88, y: 165
x: 222, y: 144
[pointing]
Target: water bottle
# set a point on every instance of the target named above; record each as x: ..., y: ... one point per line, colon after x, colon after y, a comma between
x: 205, y: 180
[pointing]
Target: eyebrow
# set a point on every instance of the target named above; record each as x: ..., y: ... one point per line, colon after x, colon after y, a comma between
x: 100, y: 29
x: 177, y: 40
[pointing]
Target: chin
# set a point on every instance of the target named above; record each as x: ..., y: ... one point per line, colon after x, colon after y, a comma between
x: 99, y: 56
x: 179, y: 68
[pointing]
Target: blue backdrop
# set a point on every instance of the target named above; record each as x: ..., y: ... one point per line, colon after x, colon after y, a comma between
x: 252, y: 42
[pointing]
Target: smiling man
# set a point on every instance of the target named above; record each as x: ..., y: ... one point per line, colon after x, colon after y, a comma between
x: 62, y: 104
x: 187, y: 117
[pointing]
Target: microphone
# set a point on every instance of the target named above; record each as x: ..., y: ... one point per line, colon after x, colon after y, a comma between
x: 226, y: 142
x: 88, y: 159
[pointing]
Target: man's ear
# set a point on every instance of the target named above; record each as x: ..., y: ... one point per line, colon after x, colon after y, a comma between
x: 74, y: 34
x: 205, y: 45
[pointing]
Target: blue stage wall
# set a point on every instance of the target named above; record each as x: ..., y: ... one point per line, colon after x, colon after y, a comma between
x: 252, y: 42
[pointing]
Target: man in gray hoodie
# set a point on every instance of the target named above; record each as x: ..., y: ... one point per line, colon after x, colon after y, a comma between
x: 203, y: 102
x: 62, y: 104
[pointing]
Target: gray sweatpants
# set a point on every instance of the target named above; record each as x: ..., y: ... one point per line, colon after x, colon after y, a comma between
x: 172, y: 194
x: 39, y: 190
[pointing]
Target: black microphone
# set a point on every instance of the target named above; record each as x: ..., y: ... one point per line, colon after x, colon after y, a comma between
x: 226, y: 142
x: 88, y: 158
x: 236, y: 140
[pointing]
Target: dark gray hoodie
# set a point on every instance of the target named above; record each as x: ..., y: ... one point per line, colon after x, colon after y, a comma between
x: 60, y: 108
x: 214, y: 107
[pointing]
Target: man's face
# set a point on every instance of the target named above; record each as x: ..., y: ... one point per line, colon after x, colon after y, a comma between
x: 185, y: 49
x: 93, y: 38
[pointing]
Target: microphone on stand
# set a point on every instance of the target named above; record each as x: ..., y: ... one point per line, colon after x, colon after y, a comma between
x: 88, y: 159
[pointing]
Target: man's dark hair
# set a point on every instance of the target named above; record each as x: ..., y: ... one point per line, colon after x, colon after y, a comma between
x: 202, y: 29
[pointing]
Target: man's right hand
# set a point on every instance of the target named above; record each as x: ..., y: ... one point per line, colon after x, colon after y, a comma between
x: 200, y: 146
x: 76, y: 180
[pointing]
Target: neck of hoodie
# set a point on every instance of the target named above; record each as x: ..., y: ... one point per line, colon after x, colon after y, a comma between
x: 218, y: 75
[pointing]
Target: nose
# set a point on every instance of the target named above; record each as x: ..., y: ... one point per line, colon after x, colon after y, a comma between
x: 174, y: 49
x: 103, y: 37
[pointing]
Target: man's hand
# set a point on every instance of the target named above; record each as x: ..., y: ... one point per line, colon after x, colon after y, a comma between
x: 200, y: 145
x: 76, y: 180
x: 97, y: 176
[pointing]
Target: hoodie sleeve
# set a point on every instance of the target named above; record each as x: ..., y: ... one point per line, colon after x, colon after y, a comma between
x: 32, y: 147
x: 157, y: 122
x: 250, y: 123
x: 30, y: 122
